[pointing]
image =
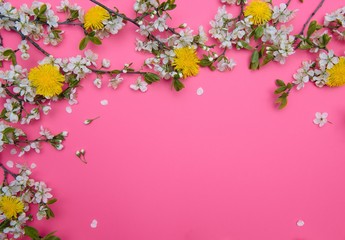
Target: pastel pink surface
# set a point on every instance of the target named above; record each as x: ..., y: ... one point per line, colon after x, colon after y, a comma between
x: 226, y: 165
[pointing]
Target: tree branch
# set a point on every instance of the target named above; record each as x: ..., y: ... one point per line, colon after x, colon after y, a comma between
x: 311, y: 16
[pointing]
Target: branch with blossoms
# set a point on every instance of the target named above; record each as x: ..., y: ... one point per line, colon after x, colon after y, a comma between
x: 260, y: 28
x: 16, y: 138
x: 327, y: 68
x: 22, y: 199
x: 174, y: 50
x: 29, y: 93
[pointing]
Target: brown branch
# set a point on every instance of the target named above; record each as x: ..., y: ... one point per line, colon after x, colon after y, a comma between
x: 311, y: 16
x: 6, y: 172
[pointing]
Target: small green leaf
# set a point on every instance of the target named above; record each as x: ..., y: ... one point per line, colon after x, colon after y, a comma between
x: 259, y: 31
x: 31, y: 232
x: 74, y: 14
x: 8, y: 52
x: 151, y: 78
x: 205, y: 62
x: 83, y: 43
x: 52, y: 201
x: 50, y: 213
x: 254, y: 62
x: 178, y: 85
x: 43, y: 9
x: 311, y: 28
x: 280, y: 83
x: 280, y: 90
x: 245, y: 45
x: 95, y: 40
x: 5, y: 223
x: 283, y: 103
x: 36, y: 11
x: 267, y: 59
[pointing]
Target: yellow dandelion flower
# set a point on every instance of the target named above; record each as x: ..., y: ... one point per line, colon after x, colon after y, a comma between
x: 337, y: 74
x: 259, y: 11
x: 186, y: 61
x: 11, y: 206
x: 47, y: 80
x: 94, y: 18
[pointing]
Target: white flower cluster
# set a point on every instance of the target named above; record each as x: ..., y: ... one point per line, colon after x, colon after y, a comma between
x: 28, y: 192
x: 37, y: 21
x: 315, y: 71
x: 163, y: 47
x: 335, y: 21
x: 10, y: 136
x: 232, y: 31
x: 144, y: 6
x: 230, y: 2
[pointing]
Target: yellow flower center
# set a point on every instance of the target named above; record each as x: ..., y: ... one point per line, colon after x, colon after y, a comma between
x: 259, y: 11
x: 186, y: 61
x: 337, y: 74
x: 47, y: 80
x: 11, y: 206
x: 94, y: 18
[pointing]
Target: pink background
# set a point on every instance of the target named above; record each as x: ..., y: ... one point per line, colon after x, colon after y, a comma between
x: 226, y: 165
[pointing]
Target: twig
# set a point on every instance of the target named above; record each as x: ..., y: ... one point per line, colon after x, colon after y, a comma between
x: 242, y: 9
x: 114, y: 71
x: 6, y: 172
x: 311, y: 16
x: 134, y: 21
x: 116, y: 13
x: 1, y: 40
x: 38, y: 47
x: 288, y: 3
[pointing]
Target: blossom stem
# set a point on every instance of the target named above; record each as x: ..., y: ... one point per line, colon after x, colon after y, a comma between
x: 242, y: 4
x: 133, y: 21
x: 311, y: 16
x: 1, y: 40
x: 6, y: 172
x: 38, y: 47
x: 69, y: 22
x: 288, y: 3
x: 115, y: 71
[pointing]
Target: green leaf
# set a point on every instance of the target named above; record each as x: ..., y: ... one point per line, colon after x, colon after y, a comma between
x: 36, y: 11
x: 151, y: 78
x: 8, y: 52
x: 92, y: 34
x: 50, y: 213
x: 5, y: 224
x: 95, y: 40
x: 280, y: 83
x: 311, y: 28
x: 52, y: 201
x: 305, y: 47
x: 325, y: 40
x: 245, y: 45
x: 280, y: 90
x: 43, y: 9
x: 83, y: 43
x: 178, y: 85
x: 254, y: 62
x: 14, y: 59
x: 283, y: 103
x: 205, y: 62
x: 31, y: 232
x: 74, y: 14
x: 267, y: 59
x: 259, y: 31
